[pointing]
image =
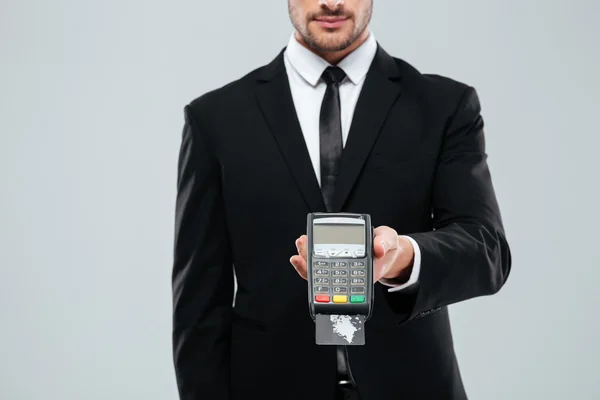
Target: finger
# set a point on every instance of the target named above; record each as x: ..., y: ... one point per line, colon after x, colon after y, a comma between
x: 385, y: 239
x: 299, y: 265
x: 378, y: 271
x: 382, y: 265
x: 301, y: 243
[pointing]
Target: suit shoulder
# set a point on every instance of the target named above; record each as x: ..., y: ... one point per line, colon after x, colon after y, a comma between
x: 430, y: 80
x: 224, y: 95
x: 433, y: 87
x: 436, y: 81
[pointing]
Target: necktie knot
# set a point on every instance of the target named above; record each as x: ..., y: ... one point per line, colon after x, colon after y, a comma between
x: 333, y: 75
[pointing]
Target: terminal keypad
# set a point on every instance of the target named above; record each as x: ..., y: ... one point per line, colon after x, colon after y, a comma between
x: 340, y: 280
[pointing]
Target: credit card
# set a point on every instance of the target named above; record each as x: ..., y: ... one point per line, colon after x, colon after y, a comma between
x: 340, y: 330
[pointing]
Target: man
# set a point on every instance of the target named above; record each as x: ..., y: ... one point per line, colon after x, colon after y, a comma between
x: 332, y: 124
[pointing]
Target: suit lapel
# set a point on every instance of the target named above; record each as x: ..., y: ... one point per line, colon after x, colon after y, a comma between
x: 379, y: 93
x: 275, y: 100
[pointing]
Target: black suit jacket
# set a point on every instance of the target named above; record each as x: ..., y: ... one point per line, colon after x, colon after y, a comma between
x: 414, y: 160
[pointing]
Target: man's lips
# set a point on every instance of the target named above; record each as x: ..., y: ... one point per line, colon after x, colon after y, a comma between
x: 331, y: 22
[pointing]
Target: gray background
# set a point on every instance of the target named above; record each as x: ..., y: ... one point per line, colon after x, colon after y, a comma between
x: 91, y: 98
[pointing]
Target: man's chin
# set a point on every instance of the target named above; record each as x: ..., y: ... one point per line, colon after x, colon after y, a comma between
x: 333, y: 47
x: 331, y: 42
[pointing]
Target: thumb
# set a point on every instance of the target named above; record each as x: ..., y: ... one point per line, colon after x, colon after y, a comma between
x: 380, y: 247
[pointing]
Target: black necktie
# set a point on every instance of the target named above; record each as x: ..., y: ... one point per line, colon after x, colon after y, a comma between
x: 330, y: 126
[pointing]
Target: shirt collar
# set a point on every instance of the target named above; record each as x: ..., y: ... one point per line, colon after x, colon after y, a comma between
x: 310, y: 66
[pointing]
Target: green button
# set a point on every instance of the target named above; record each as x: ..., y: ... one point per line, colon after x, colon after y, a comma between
x: 357, y: 299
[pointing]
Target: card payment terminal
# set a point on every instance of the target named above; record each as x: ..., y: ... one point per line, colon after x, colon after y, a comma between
x: 340, y: 276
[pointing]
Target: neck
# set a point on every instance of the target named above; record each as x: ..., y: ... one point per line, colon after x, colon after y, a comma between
x: 335, y: 57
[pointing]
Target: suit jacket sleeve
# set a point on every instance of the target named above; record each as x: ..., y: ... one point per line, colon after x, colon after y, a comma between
x: 202, y: 278
x: 466, y: 255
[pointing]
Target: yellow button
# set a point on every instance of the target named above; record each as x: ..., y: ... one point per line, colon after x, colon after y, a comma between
x: 340, y: 299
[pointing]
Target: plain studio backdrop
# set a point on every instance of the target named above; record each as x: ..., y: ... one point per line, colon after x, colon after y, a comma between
x: 91, y: 100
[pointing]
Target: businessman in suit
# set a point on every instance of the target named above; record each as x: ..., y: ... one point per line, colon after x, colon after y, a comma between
x: 332, y: 124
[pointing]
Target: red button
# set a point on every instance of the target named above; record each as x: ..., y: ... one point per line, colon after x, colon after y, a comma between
x: 322, y: 298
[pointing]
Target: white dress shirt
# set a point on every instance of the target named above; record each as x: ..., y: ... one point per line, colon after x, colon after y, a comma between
x: 304, y: 69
